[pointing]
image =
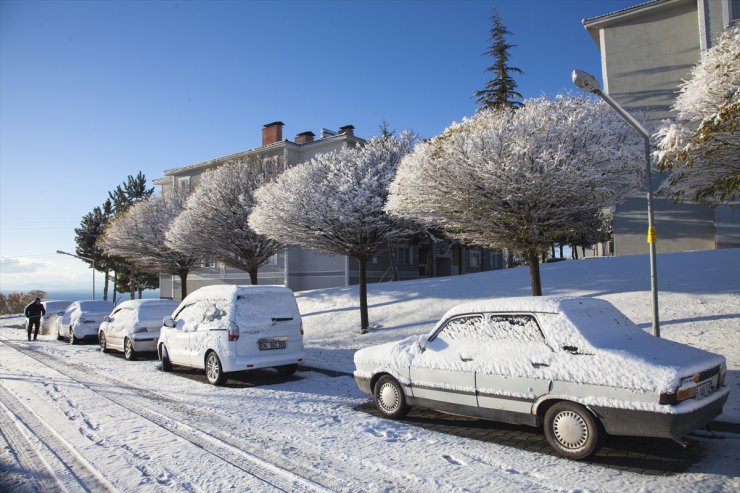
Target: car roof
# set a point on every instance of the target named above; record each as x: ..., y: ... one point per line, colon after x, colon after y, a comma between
x: 228, y: 291
x: 147, y: 302
x: 525, y: 304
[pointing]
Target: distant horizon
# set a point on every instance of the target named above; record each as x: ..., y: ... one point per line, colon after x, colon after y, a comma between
x: 81, y: 294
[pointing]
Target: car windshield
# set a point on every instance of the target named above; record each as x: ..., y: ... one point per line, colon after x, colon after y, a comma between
x: 603, y: 326
x: 155, y: 312
x: 96, y: 306
x: 256, y: 305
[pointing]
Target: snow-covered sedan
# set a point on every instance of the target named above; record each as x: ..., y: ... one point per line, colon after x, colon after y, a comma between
x: 53, y: 309
x: 578, y: 366
x: 224, y: 329
x: 133, y: 326
x: 82, y: 319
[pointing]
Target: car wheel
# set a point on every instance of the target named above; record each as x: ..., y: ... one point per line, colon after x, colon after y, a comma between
x: 165, y: 357
x: 287, y: 370
x: 101, y: 341
x: 214, y: 371
x: 572, y: 430
x: 389, y: 398
x: 72, y: 337
x: 59, y: 335
x: 128, y: 350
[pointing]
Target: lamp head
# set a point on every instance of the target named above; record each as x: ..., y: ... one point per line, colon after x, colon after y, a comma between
x: 585, y: 81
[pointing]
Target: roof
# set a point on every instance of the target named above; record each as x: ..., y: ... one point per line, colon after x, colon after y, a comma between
x: 150, y: 301
x: 227, y: 291
x: 258, y: 150
x: 525, y: 304
x: 593, y: 24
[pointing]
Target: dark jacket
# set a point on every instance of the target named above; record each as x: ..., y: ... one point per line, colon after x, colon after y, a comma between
x: 34, y: 311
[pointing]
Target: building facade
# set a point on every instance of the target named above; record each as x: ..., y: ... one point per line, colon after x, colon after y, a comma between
x: 646, y: 52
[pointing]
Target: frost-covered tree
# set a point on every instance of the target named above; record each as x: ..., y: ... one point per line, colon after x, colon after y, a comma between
x: 215, y: 225
x: 701, y: 149
x: 138, y: 235
x: 520, y: 179
x: 500, y: 91
x: 335, y: 204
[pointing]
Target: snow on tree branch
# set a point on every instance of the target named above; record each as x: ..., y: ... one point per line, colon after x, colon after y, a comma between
x: 520, y: 179
x: 214, y: 224
x: 701, y: 149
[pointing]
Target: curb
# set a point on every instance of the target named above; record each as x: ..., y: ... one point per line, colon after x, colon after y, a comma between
x: 723, y: 426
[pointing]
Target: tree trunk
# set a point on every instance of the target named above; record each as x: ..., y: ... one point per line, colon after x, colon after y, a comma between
x: 253, y: 277
x: 364, y: 319
x: 575, y: 252
x: 115, y: 286
x: 141, y: 293
x: 583, y: 251
x: 393, y: 261
x: 553, y: 250
x: 509, y: 259
x: 183, y: 284
x: 534, y: 273
x: 561, y: 250
x: 105, y: 284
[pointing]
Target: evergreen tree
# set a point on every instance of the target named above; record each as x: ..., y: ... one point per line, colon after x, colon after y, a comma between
x: 130, y: 192
x: 500, y: 92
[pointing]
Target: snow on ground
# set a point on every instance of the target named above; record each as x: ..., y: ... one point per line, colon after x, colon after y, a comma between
x: 73, y: 416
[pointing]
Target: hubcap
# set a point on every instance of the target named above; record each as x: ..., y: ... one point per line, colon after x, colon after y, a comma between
x: 129, y: 349
x: 388, y: 397
x: 570, y: 429
x: 212, y: 368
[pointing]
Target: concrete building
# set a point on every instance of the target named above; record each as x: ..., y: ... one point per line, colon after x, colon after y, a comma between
x: 301, y: 269
x: 646, y: 51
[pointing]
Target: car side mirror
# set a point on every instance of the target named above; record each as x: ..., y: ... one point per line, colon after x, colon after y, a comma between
x: 107, y: 319
x: 423, y: 344
x: 168, y: 322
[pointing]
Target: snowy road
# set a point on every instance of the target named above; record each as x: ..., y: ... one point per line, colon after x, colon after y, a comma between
x: 75, y: 419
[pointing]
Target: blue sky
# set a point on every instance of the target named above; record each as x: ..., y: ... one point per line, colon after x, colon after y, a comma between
x: 92, y: 91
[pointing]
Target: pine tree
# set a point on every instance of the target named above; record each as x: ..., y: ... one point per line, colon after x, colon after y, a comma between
x: 500, y: 92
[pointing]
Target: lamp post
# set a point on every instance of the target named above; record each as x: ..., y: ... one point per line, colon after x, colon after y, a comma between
x: 89, y: 260
x: 588, y: 83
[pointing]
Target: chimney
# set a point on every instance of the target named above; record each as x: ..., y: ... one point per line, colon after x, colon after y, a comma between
x: 304, y: 137
x: 347, y: 130
x: 272, y: 132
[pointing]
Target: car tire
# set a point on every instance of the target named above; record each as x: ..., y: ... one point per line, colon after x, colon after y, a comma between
x: 128, y: 350
x: 214, y: 370
x: 287, y: 370
x: 72, y: 338
x: 101, y: 341
x: 572, y: 431
x: 59, y: 335
x: 165, y: 357
x: 390, y: 398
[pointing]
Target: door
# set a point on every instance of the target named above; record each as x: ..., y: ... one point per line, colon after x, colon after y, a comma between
x: 445, y: 370
x: 515, y: 370
x: 211, y: 324
x: 177, y: 338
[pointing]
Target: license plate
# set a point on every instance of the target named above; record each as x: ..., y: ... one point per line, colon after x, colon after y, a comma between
x: 267, y: 345
x: 704, y: 389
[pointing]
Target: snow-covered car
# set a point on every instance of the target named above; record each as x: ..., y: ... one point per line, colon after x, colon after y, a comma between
x: 224, y: 329
x: 578, y: 366
x: 133, y: 326
x: 53, y: 308
x: 81, y: 320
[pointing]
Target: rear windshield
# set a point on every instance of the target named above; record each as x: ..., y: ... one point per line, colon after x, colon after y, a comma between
x: 97, y: 306
x: 155, y: 312
x: 266, y: 305
x: 56, y: 306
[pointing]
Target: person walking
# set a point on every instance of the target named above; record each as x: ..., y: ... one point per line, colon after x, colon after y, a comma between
x: 33, y: 312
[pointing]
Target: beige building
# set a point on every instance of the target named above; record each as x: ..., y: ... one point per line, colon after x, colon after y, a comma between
x: 646, y: 51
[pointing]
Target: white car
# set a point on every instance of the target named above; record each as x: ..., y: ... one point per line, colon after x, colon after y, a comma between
x: 53, y: 308
x: 82, y: 319
x: 578, y: 366
x: 133, y: 326
x: 224, y: 329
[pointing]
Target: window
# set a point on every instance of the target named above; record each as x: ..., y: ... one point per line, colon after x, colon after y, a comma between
x: 734, y: 10
x: 403, y: 255
x: 465, y: 328
x: 273, y: 260
x: 514, y: 328
x: 208, y: 264
x: 184, y: 183
x: 475, y: 259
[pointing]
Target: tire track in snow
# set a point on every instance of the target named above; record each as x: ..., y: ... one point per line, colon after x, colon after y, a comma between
x: 279, y: 476
x: 30, y: 435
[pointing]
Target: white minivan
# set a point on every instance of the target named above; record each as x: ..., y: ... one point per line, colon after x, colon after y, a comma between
x: 224, y: 329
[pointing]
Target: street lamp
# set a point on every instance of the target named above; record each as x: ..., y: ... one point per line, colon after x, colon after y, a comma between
x: 588, y: 83
x: 83, y: 258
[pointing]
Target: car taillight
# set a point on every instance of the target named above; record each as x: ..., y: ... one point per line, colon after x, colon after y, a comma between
x: 301, y: 328
x: 140, y: 329
x: 233, y: 333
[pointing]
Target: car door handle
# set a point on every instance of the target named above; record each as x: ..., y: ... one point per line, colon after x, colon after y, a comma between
x: 465, y: 358
x: 538, y: 365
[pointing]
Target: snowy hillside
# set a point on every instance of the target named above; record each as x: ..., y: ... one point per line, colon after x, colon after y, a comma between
x: 699, y: 301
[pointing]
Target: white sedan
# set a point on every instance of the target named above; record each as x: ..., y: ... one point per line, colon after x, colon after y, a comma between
x: 133, y: 326
x: 81, y: 320
x: 578, y: 366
